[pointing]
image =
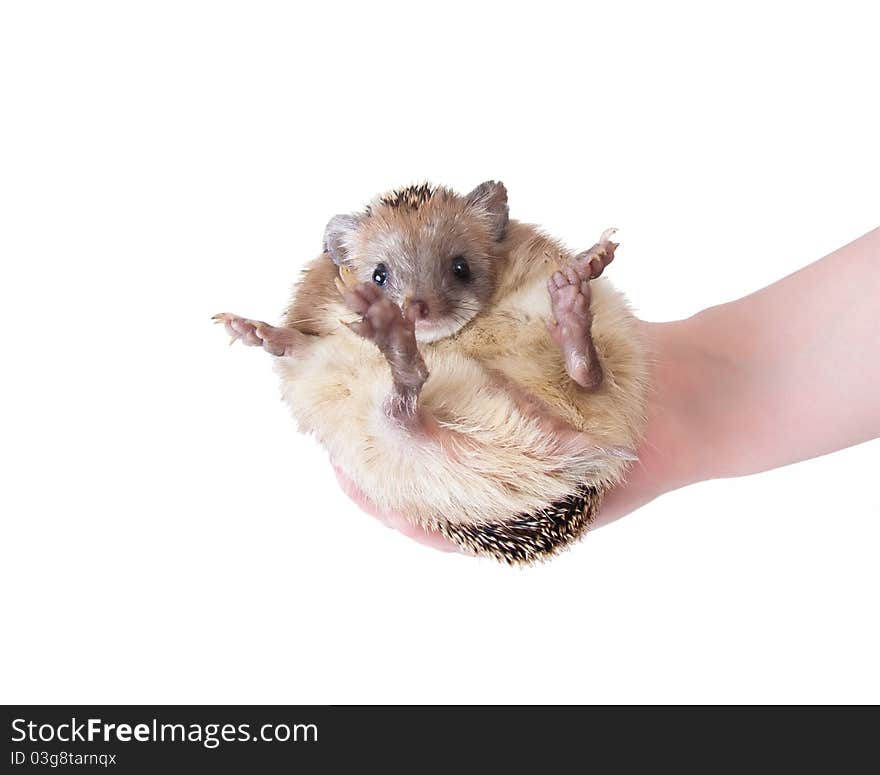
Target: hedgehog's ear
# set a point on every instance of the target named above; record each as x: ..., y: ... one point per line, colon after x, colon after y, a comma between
x: 490, y: 199
x: 338, y: 237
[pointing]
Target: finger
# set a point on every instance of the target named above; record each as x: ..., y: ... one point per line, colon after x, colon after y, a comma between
x: 381, y: 315
x: 582, y: 270
x: 251, y: 338
x: 356, y: 301
x: 264, y: 329
x: 371, y: 291
x: 273, y: 347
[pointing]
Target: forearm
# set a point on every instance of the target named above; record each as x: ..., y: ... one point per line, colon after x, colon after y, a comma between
x: 785, y: 374
x: 792, y: 371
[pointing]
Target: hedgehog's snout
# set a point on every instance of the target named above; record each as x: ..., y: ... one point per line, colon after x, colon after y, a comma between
x: 415, y: 309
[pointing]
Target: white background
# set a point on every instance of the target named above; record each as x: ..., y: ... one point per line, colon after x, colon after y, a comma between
x: 167, y: 535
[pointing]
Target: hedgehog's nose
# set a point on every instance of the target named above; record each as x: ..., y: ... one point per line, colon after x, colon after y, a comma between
x: 418, y: 306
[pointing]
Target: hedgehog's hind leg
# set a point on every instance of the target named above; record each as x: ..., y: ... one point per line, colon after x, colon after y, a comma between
x: 572, y: 320
x: 571, y: 324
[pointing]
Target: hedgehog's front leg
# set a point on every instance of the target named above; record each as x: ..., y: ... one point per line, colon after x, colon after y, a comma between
x: 278, y: 341
x: 394, y: 334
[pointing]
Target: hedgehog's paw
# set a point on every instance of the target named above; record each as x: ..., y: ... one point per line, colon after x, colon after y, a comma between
x: 256, y: 333
x: 591, y: 263
x: 382, y: 320
x: 570, y: 327
x: 394, y: 333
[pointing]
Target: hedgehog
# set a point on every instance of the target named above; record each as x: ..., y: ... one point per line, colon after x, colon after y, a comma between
x: 463, y: 369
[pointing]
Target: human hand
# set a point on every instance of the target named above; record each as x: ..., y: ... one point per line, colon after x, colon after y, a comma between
x: 761, y: 382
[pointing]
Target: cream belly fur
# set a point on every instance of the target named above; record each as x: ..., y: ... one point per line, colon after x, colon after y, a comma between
x: 490, y: 453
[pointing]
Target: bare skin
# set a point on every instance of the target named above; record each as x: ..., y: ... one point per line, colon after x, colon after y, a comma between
x: 572, y: 320
x: 785, y: 374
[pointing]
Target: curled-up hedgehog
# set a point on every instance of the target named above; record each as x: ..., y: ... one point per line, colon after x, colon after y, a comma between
x: 463, y: 369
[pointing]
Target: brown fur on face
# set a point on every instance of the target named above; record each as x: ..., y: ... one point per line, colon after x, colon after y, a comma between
x: 416, y: 234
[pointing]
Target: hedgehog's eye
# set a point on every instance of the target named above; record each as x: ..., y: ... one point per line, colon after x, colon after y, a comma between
x: 380, y: 274
x: 460, y: 268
